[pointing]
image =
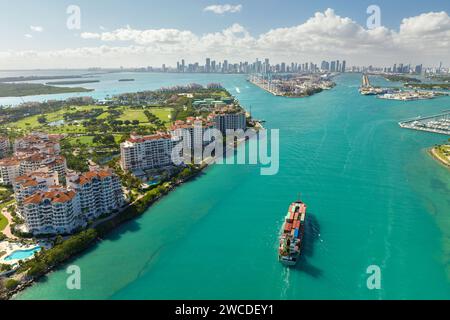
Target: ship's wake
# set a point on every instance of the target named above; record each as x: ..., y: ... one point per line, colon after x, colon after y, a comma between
x: 286, y: 283
x: 238, y: 90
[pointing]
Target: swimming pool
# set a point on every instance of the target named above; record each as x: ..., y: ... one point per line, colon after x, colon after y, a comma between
x: 22, y: 254
x: 152, y: 183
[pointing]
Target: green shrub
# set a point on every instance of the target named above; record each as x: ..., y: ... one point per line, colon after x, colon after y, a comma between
x: 47, y: 259
x: 37, y: 269
x: 11, y: 284
x: 5, y: 267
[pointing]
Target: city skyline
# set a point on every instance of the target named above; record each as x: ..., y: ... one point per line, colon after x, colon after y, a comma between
x: 149, y: 35
x: 211, y: 65
x: 257, y: 66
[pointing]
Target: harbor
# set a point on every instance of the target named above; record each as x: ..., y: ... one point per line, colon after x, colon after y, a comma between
x: 410, y: 95
x: 367, y: 89
x: 437, y: 123
x: 296, y: 86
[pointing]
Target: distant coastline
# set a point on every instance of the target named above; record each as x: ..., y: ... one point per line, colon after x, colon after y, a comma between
x: 36, y: 78
x: 35, y: 89
x: 71, y: 82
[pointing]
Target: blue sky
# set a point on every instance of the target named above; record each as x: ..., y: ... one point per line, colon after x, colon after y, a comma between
x: 256, y: 17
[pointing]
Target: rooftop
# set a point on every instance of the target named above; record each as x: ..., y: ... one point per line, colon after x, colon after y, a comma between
x: 90, y: 176
x: 32, y: 179
x: 55, y: 196
x: 141, y: 139
x: 8, y: 162
x: 190, y: 123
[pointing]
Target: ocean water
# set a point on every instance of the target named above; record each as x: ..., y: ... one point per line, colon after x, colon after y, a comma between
x: 374, y: 195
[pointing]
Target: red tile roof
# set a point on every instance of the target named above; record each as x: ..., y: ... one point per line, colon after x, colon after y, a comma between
x: 55, y: 196
x: 91, y: 175
x: 149, y: 138
x: 8, y: 162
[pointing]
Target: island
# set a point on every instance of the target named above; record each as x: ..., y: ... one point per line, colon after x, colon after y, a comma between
x: 429, y: 86
x: 439, y: 77
x: 400, y: 78
x: 126, y: 80
x: 36, y: 78
x: 34, y: 89
x: 294, y: 86
x: 67, y: 143
x: 70, y: 82
x: 405, y: 95
x: 442, y: 153
x: 399, y: 94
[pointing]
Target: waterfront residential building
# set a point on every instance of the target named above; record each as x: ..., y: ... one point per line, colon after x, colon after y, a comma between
x: 141, y: 153
x: 196, y: 133
x: 37, y: 161
x: 4, y: 146
x: 9, y: 170
x: 146, y: 152
x: 99, y: 192
x: 56, y: 211
x: 224, y: 121
x: 37, y: 142
x: 26, y: 185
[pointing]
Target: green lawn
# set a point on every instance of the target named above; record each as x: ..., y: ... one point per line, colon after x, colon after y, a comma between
x: 131, y: 115
x: 88, y: 140
x: 3, y: 222
x: 31, y: 123
x: 74, y: 141
x: 138, y: 114
x: 162, y: 113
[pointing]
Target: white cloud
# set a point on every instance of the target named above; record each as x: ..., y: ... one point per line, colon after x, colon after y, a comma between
x: 36, y: 28
x: 432, y: 23
x: 326, y: 35
x: 144, y: 37
x: 28, y: 36
x: 90, y: 35
x: 225, y: 8
x: 428, y: 32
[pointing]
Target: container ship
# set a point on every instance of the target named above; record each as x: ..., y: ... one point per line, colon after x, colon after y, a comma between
x: 291, y: 239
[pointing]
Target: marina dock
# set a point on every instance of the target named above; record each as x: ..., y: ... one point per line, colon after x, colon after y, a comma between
x: 437, y: 123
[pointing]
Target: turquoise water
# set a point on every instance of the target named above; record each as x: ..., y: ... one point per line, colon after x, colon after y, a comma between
x: 375, y: 197
x: 22, y: 254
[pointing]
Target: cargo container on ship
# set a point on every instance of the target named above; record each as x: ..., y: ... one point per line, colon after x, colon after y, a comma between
x: 291, y: 238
